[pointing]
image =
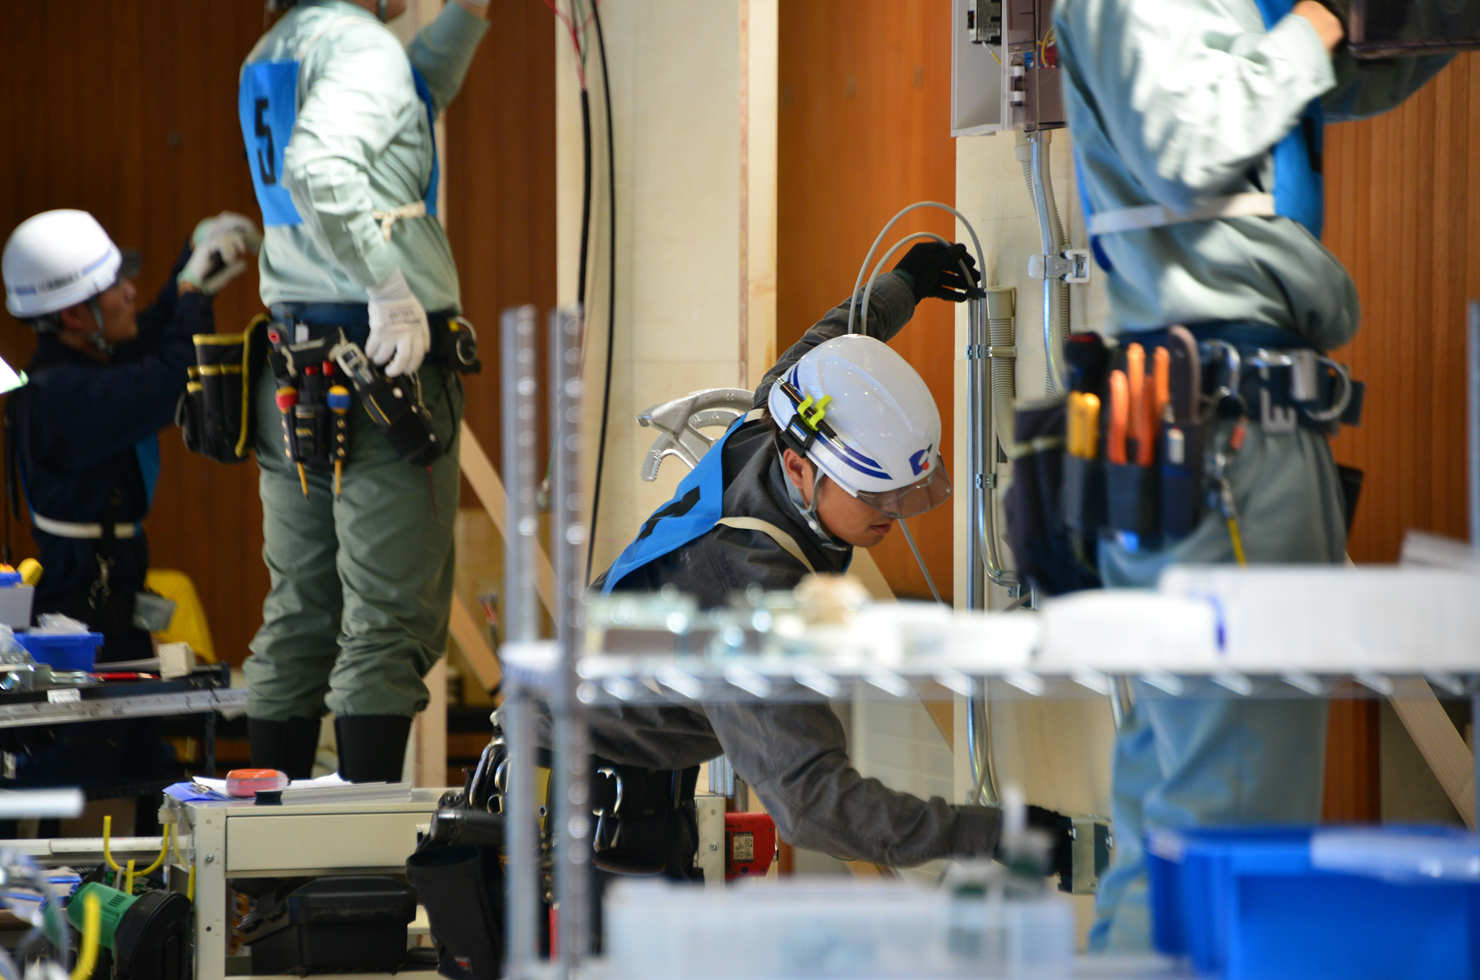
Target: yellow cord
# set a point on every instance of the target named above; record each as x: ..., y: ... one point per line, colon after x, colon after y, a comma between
x: 128, y: 881
x: 190, y: 885
x: 92, y: 927
x: 107, y: 833
x: 1238, y: 541
x: 164, y: 847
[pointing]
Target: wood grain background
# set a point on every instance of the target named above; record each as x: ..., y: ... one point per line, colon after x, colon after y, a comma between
x: 128, y: 110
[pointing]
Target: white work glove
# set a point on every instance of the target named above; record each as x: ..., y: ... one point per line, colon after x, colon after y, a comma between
x: 220, y: 253
x: 399, y: 333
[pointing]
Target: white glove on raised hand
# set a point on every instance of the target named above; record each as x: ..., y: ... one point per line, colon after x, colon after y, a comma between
x: 221, y: 247
x: 399, y: 333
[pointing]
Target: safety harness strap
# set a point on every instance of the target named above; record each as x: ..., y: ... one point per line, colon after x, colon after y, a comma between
x: 1158, y: 216
x: 787, y: 542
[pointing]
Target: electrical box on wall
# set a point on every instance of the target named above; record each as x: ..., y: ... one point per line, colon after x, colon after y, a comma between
x: 1004, y: 67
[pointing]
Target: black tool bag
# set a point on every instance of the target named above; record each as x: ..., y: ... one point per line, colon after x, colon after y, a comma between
x: 459, y: 879
x: 216, y: 413
x: 1054, y: 557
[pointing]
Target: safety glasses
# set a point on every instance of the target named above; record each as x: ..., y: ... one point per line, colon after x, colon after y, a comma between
x: 926, y: 493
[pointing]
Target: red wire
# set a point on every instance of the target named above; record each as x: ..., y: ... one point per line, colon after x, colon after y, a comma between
x: 575, y: 39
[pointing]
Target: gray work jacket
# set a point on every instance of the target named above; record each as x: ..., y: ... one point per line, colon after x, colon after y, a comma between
x: 793, y: 755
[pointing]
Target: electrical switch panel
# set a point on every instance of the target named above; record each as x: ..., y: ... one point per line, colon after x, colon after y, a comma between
x: 1005, y: 67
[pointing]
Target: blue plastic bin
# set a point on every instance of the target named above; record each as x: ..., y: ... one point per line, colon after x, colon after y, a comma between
x: 63, y: 651
x: 1383, y: 903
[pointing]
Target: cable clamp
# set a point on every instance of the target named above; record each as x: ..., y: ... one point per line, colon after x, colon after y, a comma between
x: 1072, y: 266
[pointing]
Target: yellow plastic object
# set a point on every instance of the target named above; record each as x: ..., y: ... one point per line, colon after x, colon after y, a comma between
x: 190, y: 886
x: 164, y: 848
x: 189, y: 625
x: 108, y: 833
x: 30, y: 570
x: 128, y: 878
x: 92, y: 925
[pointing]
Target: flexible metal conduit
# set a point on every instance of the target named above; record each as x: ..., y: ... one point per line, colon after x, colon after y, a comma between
x: 1051, y: 235
x: 989, y: 340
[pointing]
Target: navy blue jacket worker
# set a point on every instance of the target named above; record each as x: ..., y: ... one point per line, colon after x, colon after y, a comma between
x: 103, y: 381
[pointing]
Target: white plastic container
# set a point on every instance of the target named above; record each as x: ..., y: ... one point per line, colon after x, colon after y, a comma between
x: 663, y: 931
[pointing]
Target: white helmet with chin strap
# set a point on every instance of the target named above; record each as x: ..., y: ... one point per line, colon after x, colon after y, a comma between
x: 867, y: 421
x: 58, y: 259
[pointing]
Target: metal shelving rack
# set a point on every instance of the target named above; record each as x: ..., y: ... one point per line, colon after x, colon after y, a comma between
x: 898, y: 653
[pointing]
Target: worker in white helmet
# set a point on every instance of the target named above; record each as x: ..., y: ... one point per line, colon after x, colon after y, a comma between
x: 82, y: 434
x: 844, y: 440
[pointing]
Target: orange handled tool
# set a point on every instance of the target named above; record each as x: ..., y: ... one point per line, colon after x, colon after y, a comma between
x: 1139, y: 403
x: 1119, y: 417
x: 1091, y: 405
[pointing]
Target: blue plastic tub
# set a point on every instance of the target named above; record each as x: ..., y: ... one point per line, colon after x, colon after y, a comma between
x: 63, y: 651
x: 1318, y: 904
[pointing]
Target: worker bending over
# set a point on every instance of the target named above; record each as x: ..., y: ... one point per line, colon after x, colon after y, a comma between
x: 843, y: 441
x: 357, y: 529
x: 1197, y: 127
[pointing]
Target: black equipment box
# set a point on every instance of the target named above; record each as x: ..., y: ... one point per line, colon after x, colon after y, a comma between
x: 352, y: 924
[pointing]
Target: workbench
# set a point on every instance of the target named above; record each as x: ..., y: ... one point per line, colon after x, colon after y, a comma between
x: 231, y: 839
x: 207, y: 692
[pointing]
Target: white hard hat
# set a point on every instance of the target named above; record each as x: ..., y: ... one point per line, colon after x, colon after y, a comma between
x: 859, y: 412
x: 58, y: 259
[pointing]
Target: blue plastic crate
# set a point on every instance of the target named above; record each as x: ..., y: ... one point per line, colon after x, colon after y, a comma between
x: 63, y: 651
x: 1318, y: 904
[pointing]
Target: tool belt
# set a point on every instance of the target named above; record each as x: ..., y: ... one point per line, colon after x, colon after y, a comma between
x: 318, y: 360
x: 454, y: 342
x: 216, y: 413
x: 1143, y: 461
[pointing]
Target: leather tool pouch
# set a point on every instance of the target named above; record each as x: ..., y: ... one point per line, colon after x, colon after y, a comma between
x: 1054, y: 556
x: 459, y: 879
x: 215, y: 414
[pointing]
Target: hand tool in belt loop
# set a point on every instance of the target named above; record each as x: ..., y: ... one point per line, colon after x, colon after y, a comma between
x: 339, y: 401
x: 1222, y: 490
x: 1178, y: 381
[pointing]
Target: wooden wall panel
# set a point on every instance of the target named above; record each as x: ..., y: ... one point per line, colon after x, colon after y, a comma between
x: 128, y: 110
x: 864, y: 130
x: 500, y: 158
x: 1404, y: 217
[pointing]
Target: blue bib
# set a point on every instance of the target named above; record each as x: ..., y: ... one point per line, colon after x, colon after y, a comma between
x: 1298, y: 190
x: 691, y: 513
x: 267, y: 105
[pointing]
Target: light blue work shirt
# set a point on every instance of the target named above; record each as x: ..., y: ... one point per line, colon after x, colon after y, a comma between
x: 361, y: 142
x: 1173, y: 102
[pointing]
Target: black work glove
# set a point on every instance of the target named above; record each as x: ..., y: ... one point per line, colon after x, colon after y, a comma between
x: 1060, y: 856
x: 933, y: 269
x: 1060, y: 829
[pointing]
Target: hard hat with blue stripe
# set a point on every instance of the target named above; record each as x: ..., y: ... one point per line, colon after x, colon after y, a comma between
x: 866, y: 419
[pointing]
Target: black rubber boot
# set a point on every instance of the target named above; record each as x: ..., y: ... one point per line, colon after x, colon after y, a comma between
x: 289, y: 746
x: 372, y: 747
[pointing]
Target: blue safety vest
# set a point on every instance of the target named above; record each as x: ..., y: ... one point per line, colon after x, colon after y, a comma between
x: 267, y: 104
x: 1298, y: 187
x: 690, y: 513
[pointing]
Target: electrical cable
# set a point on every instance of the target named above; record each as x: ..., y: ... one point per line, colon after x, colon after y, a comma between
x: 920, y: 561
x: 611, y: 289
x: 92, y: 928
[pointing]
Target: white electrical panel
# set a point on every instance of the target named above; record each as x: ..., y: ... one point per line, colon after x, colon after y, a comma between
x: 1004, y: 67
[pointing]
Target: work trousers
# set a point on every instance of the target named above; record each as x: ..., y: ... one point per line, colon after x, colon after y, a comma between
x: 1180, y: 763
x: 361, y: 584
